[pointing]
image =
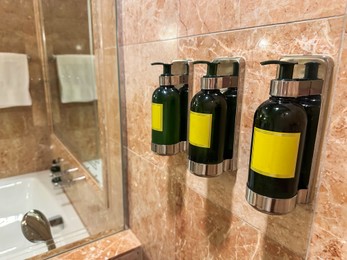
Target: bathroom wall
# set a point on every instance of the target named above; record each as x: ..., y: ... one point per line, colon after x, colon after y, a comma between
x: 179, y: 216
x: 24, y: 131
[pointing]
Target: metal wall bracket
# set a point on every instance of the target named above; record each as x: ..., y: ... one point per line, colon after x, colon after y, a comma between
x: 325, y: 73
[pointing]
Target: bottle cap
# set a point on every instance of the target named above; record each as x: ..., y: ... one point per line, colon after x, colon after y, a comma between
x: 165, y: 79
x: 284, y: 85
x: 210, y: 80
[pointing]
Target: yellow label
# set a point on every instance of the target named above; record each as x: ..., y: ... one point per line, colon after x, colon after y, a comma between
x: 274, y: 154
x: 200, y: 129
x: 157, y: 117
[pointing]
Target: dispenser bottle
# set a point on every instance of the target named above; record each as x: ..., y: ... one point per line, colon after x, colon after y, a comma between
x: 231, y: 99
x: 165, y: 114
x: 183, y: 91
x: 207, y: 126
x: 311, y: 104
x: 278, y: 138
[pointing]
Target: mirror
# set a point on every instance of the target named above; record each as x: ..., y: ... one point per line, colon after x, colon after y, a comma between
x: 78, y: 212
x: 71, y: 74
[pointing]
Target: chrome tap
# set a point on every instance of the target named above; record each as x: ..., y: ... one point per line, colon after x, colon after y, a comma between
x: 63, y: 181
x: 62, y: 178
x: 36, y: 228
x: 61, y: 173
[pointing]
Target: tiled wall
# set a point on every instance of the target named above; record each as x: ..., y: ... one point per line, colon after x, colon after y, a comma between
x: 24, y: 131
x: 179, y: 216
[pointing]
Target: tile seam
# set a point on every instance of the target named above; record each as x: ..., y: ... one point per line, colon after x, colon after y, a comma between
x: 236, y: 30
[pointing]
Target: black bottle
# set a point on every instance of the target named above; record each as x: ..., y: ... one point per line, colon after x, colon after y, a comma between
x: 312, y: 105
x: 165, y: 115
x: 278, y: 138
x: 184, y: 93
x: 231, y: 99
x: 207, y: 126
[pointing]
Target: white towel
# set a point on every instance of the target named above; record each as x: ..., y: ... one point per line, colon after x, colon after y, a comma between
x: 14, y: 80
x: 76, y: 75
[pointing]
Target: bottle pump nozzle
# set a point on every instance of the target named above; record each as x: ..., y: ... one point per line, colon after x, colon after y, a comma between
x: 284, y: 85
x: 211, y: 68
x: 286, y: 68
x: 311, y: 70
x: 166, y: 68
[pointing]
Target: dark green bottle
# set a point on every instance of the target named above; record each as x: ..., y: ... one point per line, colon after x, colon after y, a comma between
x: 312, y: 105
x: 207, y: 126
x: 231, y: 99
x: 165, y: 114
x: 278, y: 139
x: 183, y: 91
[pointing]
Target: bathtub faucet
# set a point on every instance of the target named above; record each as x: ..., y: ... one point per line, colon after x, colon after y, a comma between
x: 36, y: 228
x: 63, y: 181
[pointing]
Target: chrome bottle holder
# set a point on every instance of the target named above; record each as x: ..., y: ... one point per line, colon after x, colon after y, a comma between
x: 304, y: 88
x: 225, y: 79
x: 325, y: 73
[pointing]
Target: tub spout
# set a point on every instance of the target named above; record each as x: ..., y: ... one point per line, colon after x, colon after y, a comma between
x: 36, y: 228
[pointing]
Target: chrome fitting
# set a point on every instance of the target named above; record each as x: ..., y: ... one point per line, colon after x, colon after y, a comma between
x: 173, y: 80
x: 163, y: 149
x: 219, y: 82
x: 302, y: 196
x: 270, y: 205
x: 183, y: 146
x: 205, y: 170
x: 228, y: 165
x: 286, y: 88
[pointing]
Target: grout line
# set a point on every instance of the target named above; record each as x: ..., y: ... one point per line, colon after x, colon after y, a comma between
x: 237, y: 29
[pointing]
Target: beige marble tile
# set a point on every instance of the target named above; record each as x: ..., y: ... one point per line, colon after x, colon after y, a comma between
x: 145, y: 21
x: 140, y: 80
x: 151, y: 208
x: 207, y: 231
x: 329, y: 236
x: 110, y: 247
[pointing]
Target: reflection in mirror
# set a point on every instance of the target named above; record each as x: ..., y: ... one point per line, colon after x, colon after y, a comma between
x: 77, y: 213
x: 71, y: 72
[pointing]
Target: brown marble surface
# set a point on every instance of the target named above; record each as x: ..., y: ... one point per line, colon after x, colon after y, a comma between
x: 109, y: 247
x: 209, y: 218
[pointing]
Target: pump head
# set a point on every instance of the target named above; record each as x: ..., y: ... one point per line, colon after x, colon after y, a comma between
x: 211, y: 68
x: 284, y: 85
x: 166, y: 68
x: 286, y: 68
x: 311, y: 70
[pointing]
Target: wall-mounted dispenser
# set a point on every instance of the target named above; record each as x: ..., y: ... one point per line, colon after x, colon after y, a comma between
x: 280, y: 157
x: 184, y: 71
x: 213, y: 120
x: 316, y: 71
x: 207, y: 120
x: 169, y: 108
x: 230, y: 94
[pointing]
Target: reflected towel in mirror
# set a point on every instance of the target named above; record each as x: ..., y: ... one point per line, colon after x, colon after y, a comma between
x: 76, y: 73
x: 14, y: 80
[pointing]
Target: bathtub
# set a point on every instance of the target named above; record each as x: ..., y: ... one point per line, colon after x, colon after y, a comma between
x: 20, y: 194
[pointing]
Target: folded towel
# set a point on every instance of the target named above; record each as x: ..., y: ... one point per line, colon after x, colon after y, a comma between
x: 14, y: 80
x: 76, y: 75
